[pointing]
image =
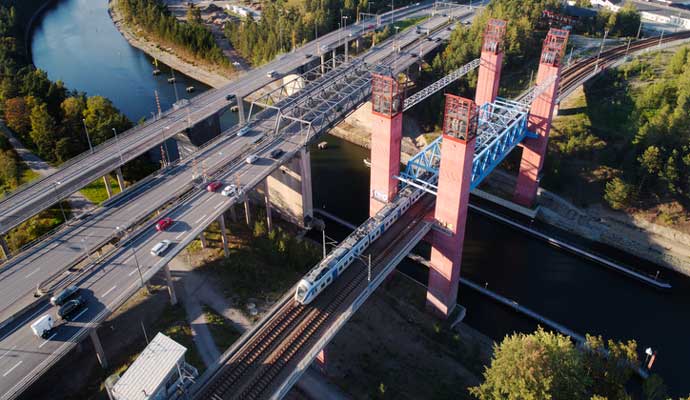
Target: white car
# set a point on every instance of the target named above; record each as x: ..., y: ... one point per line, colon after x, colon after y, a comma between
x: 245, y: 129
x: 160, y: 248
x: 251, y: 159
x: 229, y: 190
x: 270, y: 74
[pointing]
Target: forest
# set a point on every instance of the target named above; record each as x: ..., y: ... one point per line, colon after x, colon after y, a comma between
x: 193, y: 38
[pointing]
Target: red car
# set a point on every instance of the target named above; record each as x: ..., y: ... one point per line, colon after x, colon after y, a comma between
x: 164, y: 224
x: 213, y: 186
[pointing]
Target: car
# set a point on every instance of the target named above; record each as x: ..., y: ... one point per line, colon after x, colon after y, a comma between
x: 438, y: 39
x: 160, y: 248
x: 270, y: 74
x: 429, y: 38
x: 251, y: 159
x: 229, y: 190
x: 213, y: 186
x: 69, y: 308
x: 164, y: 224
x: 230, y: 97
x: 244, y: 130
x: 307, y: 55
x: 61, y: 297
x: 277, y: 153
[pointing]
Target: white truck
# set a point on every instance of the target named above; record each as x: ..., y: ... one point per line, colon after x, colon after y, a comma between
x: 43, y: 326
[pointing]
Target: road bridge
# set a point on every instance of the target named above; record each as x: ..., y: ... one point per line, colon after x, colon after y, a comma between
x: 121, y: 272
x: 33, y: 197
x: 267, y: 361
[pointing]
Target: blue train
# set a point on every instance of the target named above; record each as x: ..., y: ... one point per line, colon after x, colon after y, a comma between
x: 324, y: 273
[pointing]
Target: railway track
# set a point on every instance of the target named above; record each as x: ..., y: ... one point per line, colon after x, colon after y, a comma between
x: 575, y: 74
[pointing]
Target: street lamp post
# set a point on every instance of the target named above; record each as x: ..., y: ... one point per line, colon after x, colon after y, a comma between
x: 57, y: 197
x: 141, y: 276
x: 88, y: 139
x: 119, y: 150
x: 601, y: 48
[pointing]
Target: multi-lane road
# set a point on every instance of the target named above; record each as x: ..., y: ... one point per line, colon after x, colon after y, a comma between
x: 38, y: 195
x: 24, y: 357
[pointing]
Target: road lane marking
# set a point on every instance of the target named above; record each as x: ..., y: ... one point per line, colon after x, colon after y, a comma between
x: 8, y: 351
x: 107, y: 292
x: 132, y: 273
x: 34, y: 271
x: 219, y: 206
x: 12, y: 369
x: 48, y: 340
x: 180, y: 235
x: 200, y: 219
x: 80, y: 314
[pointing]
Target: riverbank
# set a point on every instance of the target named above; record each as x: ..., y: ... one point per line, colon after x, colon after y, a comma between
x: 199, y: 72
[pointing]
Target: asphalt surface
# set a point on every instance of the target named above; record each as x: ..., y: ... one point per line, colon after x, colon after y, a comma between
x: 24, y: 357
x: 38, y: 195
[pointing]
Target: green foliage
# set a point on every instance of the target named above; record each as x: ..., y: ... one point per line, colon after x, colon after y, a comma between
x: 618, y: 193
x: 155, y: 19
x: 625, y: 22
x: 545, y: 365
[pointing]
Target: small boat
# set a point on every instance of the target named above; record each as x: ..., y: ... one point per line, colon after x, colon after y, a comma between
x: 190, y: 89
x: 323, y: 145
x: 367, y: 162
x: 156, y: 71
x: 171, y: 80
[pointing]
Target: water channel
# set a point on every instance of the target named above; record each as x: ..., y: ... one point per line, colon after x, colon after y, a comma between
x: 76, y: 41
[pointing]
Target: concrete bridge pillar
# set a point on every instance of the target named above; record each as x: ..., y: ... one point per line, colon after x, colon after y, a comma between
x: 171, y: 287
x: 233, y: 213
x: 323, y: 63
x: 540, y: 116
x: 224, y: 235
x: 455, y: 173
x: 290, y: 189
x: 333, y: 58
x: 240, y: 110
x: 267, y: 198
x: 490, y: 62
x: 120, y: 179
x: 100, y: 353
x: 202, y: 238
x: 4, y: 249
x: 386, y: 136
x: 247, y: 212
x: 347, y: 49
x: 106, y: 181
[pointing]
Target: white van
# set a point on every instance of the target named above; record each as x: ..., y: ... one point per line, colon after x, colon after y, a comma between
x: 42, y: 326
x: 251, y: 159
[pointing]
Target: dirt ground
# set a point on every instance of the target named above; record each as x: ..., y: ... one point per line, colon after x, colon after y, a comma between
x: 392, y: 349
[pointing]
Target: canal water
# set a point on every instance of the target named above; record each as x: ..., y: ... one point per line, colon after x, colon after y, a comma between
x: 76, y: 42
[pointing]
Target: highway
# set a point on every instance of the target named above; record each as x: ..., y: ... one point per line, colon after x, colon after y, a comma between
x: 73, y: 175
x: 24, y: 357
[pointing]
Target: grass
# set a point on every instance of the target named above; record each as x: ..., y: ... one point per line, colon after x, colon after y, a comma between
x: 95, y: 191
x: 223, y: 334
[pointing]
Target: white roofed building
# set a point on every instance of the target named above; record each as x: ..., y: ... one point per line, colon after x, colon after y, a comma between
x: 159, y: 373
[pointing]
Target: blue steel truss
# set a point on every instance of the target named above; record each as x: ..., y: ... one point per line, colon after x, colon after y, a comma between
x: 502, y: 126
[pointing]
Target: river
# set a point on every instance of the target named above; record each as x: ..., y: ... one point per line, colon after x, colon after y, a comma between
x: 76, y: 41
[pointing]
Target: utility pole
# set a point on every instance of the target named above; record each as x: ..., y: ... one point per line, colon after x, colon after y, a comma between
x: 88, y: 139
x: 661, y: 37
x: 639, y: 30
x: 628, y: 48
x: 601, y: 48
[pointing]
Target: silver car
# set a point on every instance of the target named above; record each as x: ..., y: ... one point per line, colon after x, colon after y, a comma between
x: 160, y: 248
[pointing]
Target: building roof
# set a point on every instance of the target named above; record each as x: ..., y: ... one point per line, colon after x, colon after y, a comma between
x: 150, y: 370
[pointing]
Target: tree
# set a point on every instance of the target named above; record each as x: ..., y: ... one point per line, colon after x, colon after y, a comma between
x: 610, y: 369
x: 617, y: 193
x: 43, y: 131
x: 651, y: 160
x: 9, y: 170
x: 101, y: 117
x: 536, y: 366
x: 17, y: 115
x: 193, y: 13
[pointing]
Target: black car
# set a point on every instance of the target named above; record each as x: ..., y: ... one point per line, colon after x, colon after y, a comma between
x: 307, y: 56
x: 277, y: 153
x: 61, y: 297
x: 69, y: 308
x: 229, y: 97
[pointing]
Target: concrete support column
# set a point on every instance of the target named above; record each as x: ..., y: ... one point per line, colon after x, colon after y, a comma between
x: 540, y: 116
x: 4, y: 249
x: 386, y: 136
x: 267, y: 198
x: 233, y: 213
x: 455, y: 174
x: 323, y: 63
x: 202, y: 238
x: 305, y: 174
x: 106, y: 181
x: 247, y: 211
x: 347, y: 49
x: 333, y: 58
x: 240, y: 110
x: 490, y: 62
x: 224, y: 236
x: 100, y: 354
x: 290, y: 189
x: 120, y: 179
x: 171, y: 288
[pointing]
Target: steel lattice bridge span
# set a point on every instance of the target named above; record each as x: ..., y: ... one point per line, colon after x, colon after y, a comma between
x: 428, y: 199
